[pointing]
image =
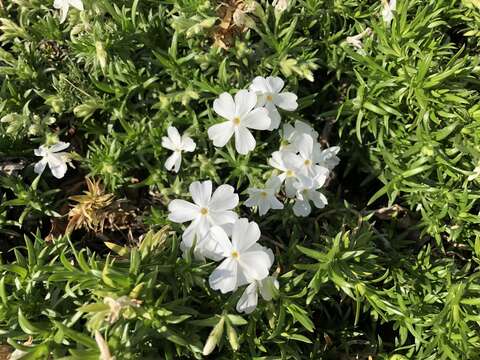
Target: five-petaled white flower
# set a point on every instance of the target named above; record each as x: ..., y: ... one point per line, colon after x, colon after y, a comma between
x: 265, y: 198
x: 64, y: 5
x: 54, y: 157
x: 207, y: 210
x: 287, y: 163
x: 177, y: 144
x: 242, y: 116
x: 306, y: 192
x: 249, y: 299
x: 387, y: 12
x: 269, y: 95
x: 244, y: 262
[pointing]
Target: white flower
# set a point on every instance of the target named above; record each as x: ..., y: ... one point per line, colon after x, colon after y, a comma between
x: 64, y: 5
x: 308, y: 155
x: 249, y: 299
x: 287, y: 163
x: 269, y: 95
x: 206, y: 211
x: 54, y: 157
x: 265, y: 198
x: 306, y: 192
x: 356, y: 40
x: 387, y: 12
x: 177, y: 144
x: 241, y: 117
x: 328, y: 157
x: 244, y: 260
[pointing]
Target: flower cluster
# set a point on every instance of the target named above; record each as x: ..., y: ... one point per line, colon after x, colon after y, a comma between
x: 212, y: 224
x: 302, y: 166
x: 256, y: 108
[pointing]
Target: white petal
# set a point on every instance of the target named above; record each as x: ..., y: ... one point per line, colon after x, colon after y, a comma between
x: 41, y: 151
x: 319, y: 200
x: 304, y: 145
x: 197, y: 230
x: 220, y: 238
x: 263, y: 206
x: 188, y: 144
x: 40, y: 166
x: 174, y: 161
x: 273, y: 183
x: 59, y: 147
x: 182, y: 211
x: 224, y: 277
x: 290, y: 189
x: 260, y: 84
x: 63, y: 14
x: 168, y: 144
x: 244, y: 140
x: 257, y: 119
x: 244, y: 234
x: 301, y: 208
x: 225, y: 106
x: 201, y: 192
x: 275, y: 203
x: 274, y: 116
x: 174, y: 137
x: 267, y: 287
x: 224, y: 198
x: 222, y: 217
x: 254, y: 265
x: 245, y: 101
x: 57, y: 4
x: 221, y: 133
x: 57, y: 166
x: 77, y: 4
x: 275, y: 83
x: 286, y: 101
x: 249, y: 299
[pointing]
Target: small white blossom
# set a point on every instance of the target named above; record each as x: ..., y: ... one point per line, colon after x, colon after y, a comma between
x: 244, y: 262
x: 287, y: 163
x: 249, y: 299
x: 242, y: 116
x: 207, y: 210
x: 306, y: 192
x: 54, y: 157
x: 387, y: 12
x: 265, y: 198
x: 177, y: 144
x: 64, y: 6
x: 269, y: 95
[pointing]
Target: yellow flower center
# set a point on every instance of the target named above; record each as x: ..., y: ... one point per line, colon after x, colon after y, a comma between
x: 290, y: 173
x: 235, y: 254
x: 307, y: 162
x: 236, y: 120
x: 204, y: 211
x: 269, y: 97
x: 263, y: 194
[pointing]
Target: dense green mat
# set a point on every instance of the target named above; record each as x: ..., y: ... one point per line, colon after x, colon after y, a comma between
x: 93, y: 263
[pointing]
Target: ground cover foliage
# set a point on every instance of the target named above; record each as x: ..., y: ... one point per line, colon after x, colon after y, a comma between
x: 92, y: 267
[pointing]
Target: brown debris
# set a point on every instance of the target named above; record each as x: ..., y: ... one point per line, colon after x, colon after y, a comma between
x: 234, y: 20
